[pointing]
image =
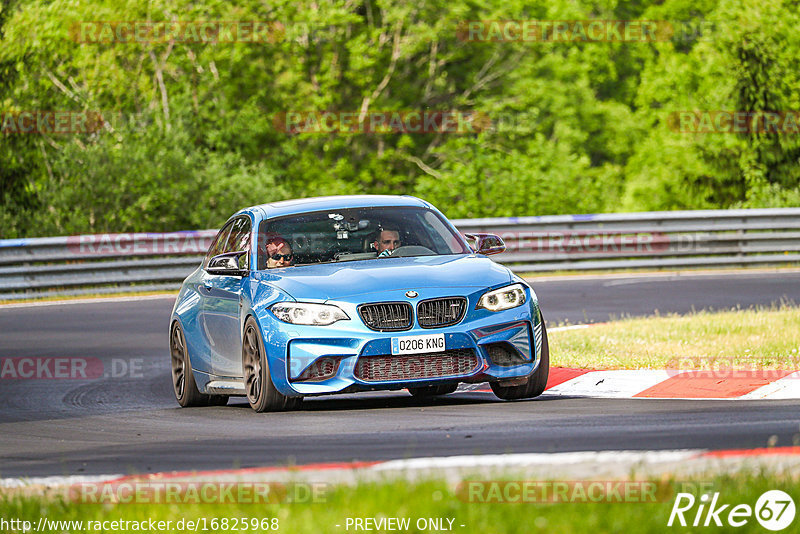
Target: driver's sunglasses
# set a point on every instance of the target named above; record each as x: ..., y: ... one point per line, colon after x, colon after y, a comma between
x: 279, y: 257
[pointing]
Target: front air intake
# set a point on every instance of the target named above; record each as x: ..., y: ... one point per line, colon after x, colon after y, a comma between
x: 458, y: 362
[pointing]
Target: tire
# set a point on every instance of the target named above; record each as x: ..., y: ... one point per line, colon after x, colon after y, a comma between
x: 432, y: 391
x: 261, y: 392
x: 183, y: 384
x: 536, y: 382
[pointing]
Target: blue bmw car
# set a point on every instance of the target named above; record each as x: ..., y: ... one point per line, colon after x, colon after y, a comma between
x: 354, y: 293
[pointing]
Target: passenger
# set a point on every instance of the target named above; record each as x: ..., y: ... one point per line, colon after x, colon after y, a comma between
x: 279, y: 253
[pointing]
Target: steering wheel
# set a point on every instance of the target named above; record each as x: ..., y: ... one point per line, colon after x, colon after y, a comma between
x: 409, y: 250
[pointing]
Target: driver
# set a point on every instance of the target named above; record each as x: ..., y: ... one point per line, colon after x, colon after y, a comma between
x: 386, y: 242
x: 279, y: 253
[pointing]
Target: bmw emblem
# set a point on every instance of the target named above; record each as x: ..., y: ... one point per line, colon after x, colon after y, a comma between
x: 412, y: 294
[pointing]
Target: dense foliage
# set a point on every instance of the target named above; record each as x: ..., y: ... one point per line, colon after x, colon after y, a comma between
x: 193, y: 129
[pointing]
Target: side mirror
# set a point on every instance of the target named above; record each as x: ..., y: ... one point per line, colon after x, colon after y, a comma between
x: 486, y: 244
x: 230, y: 264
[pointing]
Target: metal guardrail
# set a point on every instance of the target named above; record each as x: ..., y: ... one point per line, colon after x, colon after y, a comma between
x: 653, y: 240
x: 671, y: 239
x: 102, y: 263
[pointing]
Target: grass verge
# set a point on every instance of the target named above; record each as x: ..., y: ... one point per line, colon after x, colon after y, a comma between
x: 743, y: 339
x: 451, y: 508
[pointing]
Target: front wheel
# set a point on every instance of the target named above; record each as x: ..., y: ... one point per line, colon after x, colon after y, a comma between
x: 261, y: 392
x: 536, y: 383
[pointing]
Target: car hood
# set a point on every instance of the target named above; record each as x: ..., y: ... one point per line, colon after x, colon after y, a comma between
x: 337, y: 281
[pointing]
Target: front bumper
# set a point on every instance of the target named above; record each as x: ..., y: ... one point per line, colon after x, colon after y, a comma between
x: 293, y: 349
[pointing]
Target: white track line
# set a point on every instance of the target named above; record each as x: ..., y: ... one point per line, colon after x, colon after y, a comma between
x: 546, y: 459
x: 54, y: 481
x: 544, y: 278
x: 618, y: 464
x: 99, y: 300
x: 571, y: 327
x: 409, y: 466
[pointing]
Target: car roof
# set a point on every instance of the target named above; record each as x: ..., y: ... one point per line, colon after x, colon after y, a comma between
x: 304, y: 205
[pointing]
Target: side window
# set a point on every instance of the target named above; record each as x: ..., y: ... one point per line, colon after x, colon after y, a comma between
x: 239, y: 238
x: 218, y: 245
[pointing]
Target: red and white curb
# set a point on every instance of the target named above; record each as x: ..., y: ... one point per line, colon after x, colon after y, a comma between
x: 668, y: 384
x: 676, y: 384
x: 577, y: 465
x: 672, y: 383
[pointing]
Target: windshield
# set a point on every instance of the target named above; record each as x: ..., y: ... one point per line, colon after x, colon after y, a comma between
x: 355, y: 234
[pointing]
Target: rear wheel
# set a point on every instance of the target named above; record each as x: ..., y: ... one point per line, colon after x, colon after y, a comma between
x: 432, y: 391
x: 261, y: 392
x: 183, y: 383
x: 536, y: 382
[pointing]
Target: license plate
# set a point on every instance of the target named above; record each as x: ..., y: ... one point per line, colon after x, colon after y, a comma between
x: 418, y: 344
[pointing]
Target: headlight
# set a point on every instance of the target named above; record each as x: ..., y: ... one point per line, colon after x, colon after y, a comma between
x: 503, y: 299
x: 307, y: 313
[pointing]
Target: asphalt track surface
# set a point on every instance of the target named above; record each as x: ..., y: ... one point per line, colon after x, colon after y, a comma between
x: 128, y: 422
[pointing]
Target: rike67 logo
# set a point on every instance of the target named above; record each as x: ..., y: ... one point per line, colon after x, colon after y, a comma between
x: 774, y: 510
